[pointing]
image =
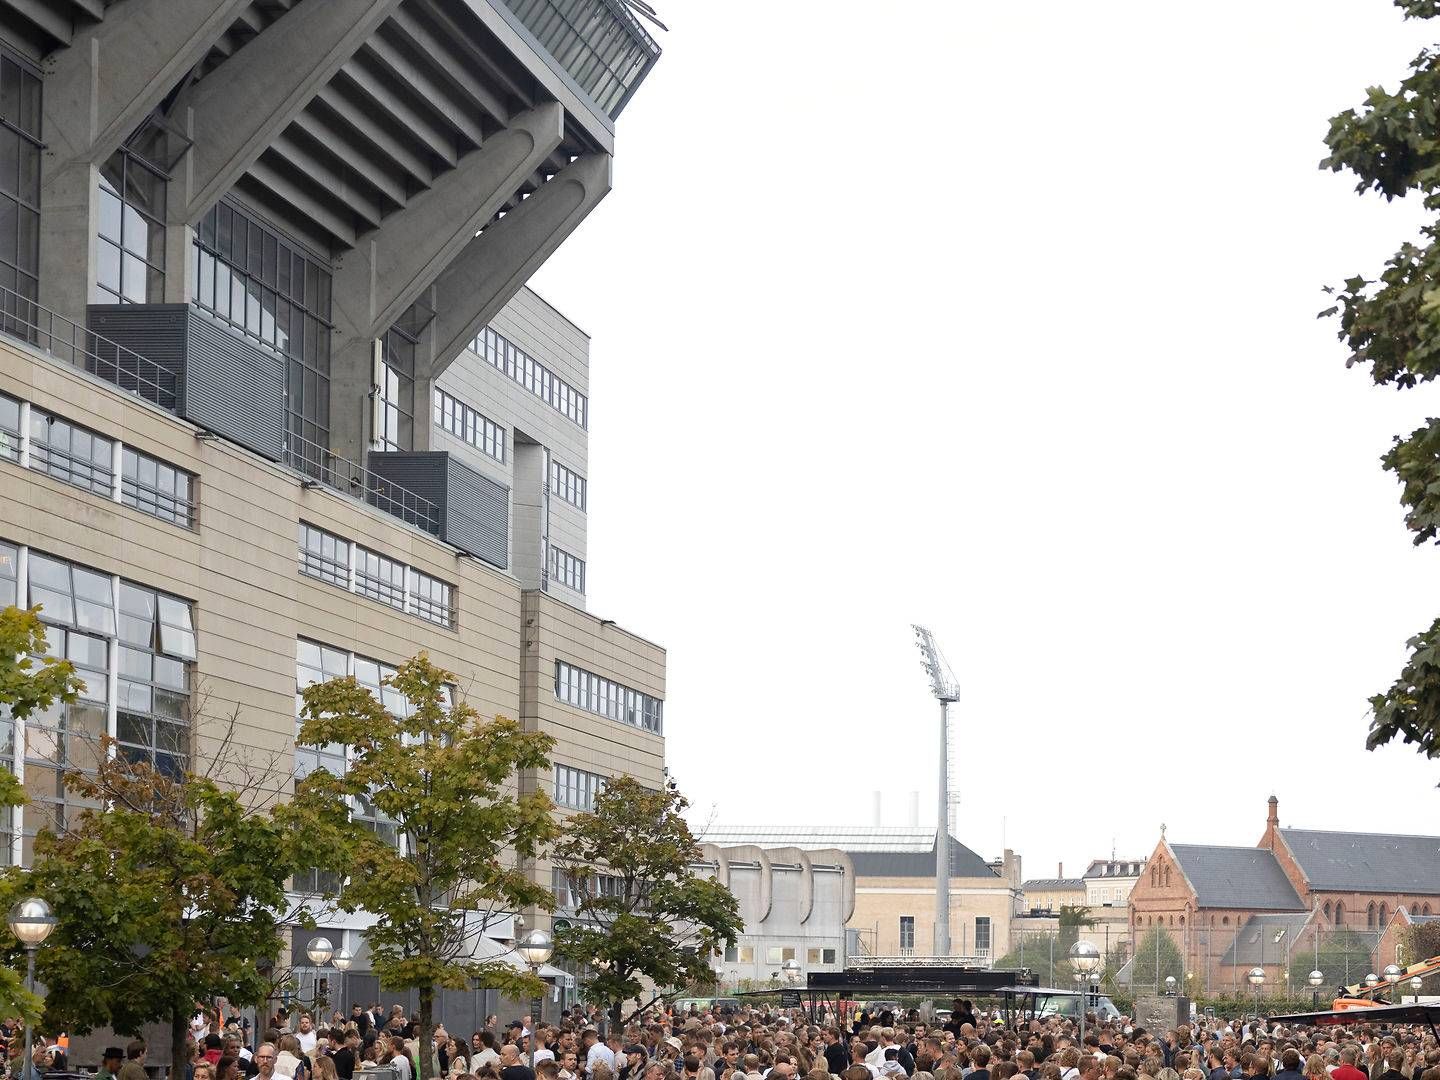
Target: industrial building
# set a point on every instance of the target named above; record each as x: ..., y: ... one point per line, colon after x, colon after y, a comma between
x: 273, y: 391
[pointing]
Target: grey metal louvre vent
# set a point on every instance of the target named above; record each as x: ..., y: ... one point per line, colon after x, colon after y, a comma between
x: 474, y: 510
x: 477, y: 515
x: 222, y: 382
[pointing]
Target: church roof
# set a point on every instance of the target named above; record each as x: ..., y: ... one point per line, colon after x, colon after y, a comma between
x: 1236, y: 877
x: 1265, y: 939
x: 1366, y: 862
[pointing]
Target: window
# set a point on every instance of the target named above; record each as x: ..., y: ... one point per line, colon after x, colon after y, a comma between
x: 732, y: 954
x: 567, y: 485
x: 431, y: 599
x: 20, y: 148
x: 252, y: 278
x: 395, y: 402
x: 9, y: 574
x: 379, y: 578
x: 590, y: 692
x: 460, y: 420
x: 130, y: 250
x: 907, y: 931
x: 113, y: 632
x: 507, y: 358
x: 778, y: 954
x: 328, y: 557
x: 324, y: 555
x: 982, y: 935
x: 155, y: 488
x: 566, y: 569
x: 71, y: 453
x: 576, y: 788
x: 10, y: 435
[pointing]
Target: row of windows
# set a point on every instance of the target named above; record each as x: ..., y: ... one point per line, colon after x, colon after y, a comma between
x: 505, y: 356
x: 463, y: 422
x: 567, y: 569
x: 570, y: 891
x: 777, y: 954
x: 588, y: 691
x: 75, y: 455
x: 577, y: 788
x: 133, y: 646
x: 568, y: 485
x: 357, y: 569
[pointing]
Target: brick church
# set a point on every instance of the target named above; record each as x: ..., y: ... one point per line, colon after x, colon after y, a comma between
x: 1229, y: 909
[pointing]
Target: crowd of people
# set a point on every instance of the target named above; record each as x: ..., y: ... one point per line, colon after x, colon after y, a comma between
x: 761, y: 1044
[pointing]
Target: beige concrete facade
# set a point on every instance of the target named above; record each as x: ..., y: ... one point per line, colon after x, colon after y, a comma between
x: 881, y: 904
x: 238, y: 566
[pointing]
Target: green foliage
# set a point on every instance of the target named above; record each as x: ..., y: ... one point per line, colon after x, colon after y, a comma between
x: 1047, y: 952
x: 446, y: 780
x: 1345, y: 957
x: 1422, y: 942
x: 1157, y: 957
x: 27, y: 685
x: 1391, y: 144
x: 661, y: 922
x: 167, y: 893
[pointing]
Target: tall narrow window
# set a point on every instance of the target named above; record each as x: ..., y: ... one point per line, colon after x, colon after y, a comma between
x: 907, y: 932
x: 130, y: 250
x: 982, y: 935
x: 395, y: 416
x: 19, y: 195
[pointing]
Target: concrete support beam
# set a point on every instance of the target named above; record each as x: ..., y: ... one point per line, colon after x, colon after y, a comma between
x: 494, y: 265
x: 117, y: 71
x: 393, y: 265
x: 250, y: 98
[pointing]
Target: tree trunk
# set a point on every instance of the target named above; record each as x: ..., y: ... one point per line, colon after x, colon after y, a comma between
x: 615, y: 1015
x: 179, y: 1043
x: 426, y: 1034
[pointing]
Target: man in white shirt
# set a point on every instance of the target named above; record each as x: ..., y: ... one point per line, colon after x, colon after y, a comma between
x: 595, y: 1050
x: 306, y: 1035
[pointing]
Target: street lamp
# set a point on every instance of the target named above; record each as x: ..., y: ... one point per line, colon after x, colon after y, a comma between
x: 535, y: 948
x: 342, y: 960
x: 1392, y: 975
x: 1085, y: 959
x: 1169, y: 985
x: 1372, y: 979
x: 30, y: 921
x: 1415, y: 985
x: 791, y: 970
x: 319, y: 951
x: 1316, y: 979
x: 1256, y: 978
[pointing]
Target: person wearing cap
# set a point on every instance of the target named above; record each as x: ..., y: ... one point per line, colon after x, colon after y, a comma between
x: 633, y: 1067
x: 110, y: 1063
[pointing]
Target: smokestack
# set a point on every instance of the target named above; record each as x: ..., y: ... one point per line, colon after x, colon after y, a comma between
x: 914, y: 808
x: 1060, y: 871
x: 877, y: 807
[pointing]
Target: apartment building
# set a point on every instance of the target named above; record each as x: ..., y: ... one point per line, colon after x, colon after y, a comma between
x: 273, y: 392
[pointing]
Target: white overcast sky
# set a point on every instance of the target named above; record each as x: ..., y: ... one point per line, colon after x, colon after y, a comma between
x: 1000, y: 317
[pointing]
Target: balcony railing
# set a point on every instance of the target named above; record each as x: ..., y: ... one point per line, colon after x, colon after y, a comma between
x: 38, y: 326
x: 342, y: 474
x: 23, y: 318
x: 599, y: 43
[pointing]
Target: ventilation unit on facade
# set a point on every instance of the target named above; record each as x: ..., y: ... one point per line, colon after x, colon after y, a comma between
x: 474, y: 510
x: 176, y: 357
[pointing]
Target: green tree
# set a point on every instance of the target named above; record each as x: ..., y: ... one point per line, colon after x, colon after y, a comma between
x: 1391, y: 324
x: 1156, y: 957
x: 1345, y: 958
x: 1046, y: 953
x: 170, y: 891
x: 641, y: 913
x: 441, y: 847
x: 29, y: 682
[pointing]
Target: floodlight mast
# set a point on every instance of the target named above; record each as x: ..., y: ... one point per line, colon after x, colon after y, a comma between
x: 946, y: 691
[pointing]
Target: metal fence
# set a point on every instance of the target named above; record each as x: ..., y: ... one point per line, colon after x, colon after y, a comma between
x: 1213, y: 962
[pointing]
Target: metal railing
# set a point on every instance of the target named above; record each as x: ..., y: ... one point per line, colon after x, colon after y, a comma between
x: 34, y: 324
x: 323, y: 465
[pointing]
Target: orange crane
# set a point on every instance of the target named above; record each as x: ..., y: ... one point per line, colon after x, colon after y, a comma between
x: 1361, y: 996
